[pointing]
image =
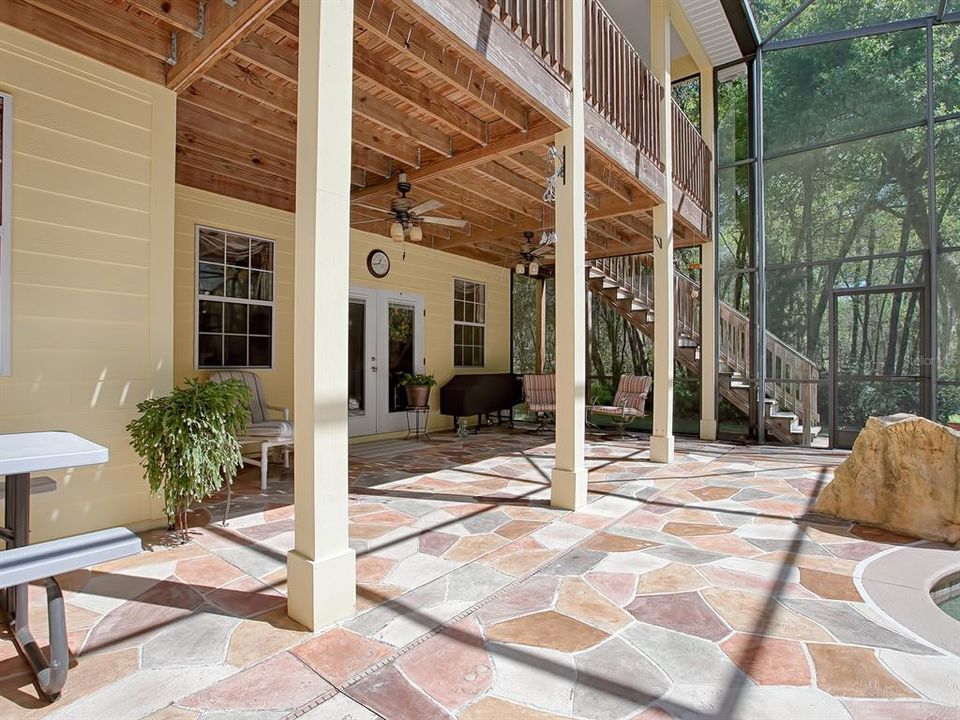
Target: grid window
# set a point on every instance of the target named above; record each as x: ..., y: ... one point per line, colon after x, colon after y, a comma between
x: 469, y: 323
x: 234, y: 300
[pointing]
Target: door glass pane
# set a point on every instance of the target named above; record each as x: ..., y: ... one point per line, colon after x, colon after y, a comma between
x: 356, y: 353
x: 400, y: 328
x: 878, y: 334
x: 858, y: 400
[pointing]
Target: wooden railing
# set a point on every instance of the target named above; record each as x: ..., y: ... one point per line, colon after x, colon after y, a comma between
x: 538, y: 23
x: 795, y: 389
x: 691, y: 159
x: 618, y: 85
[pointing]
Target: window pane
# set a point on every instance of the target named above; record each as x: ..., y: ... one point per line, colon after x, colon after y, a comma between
x: 458, y: 334
x: 733, y: 202
x: 858, y: 198
x: 261, y: 254
x: 481, y: 313
x: 210, y: 318
x: 260, y: 352
x: 733, y: 116
x: 235, y: 318
x: 946, y: 68
x: 948, y: 317
x: 238, y: 250
x: 209, y: 350
x: 261, y: 285
x: 948, y: 402
x: 948, y: 182
x: 211, y: 279
x: 261, y: 319
x: 211, y: 245
x: 237, y: 283
x: 235, y: 350
x: 830, y: 15
x: 828, y: 91
x: 458, y: 356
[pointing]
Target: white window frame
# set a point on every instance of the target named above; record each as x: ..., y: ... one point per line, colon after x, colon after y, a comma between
x: 464, y: 323
x: 272, y: 304
x: 6, y: 233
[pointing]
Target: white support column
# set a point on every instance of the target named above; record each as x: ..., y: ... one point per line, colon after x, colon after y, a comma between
x: 708, y: 275
x: 321, y: 567
x: 568, y: 487
x: 661, y: 442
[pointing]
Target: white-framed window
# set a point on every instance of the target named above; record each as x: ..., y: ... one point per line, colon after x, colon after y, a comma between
x: 6, y: 226
x: 235, y: 300
x: 469, y: 323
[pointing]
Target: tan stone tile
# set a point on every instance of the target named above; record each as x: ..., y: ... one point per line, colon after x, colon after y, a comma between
x: 372, y: 569
x: 494, y: 708
x: 607, y: 542
x: 263, y: 636
x: 748, y: 611
x: 467, y: 549
x: 518, y: 528
x: 769, y: 661
x: 675, y: 577
x: 854, y: 672
x: 207, y: 572
x: 683, y: 529
x: 830, y: 586
x: 582, y: 602
x: 548, y: 629
x: 339, y: 654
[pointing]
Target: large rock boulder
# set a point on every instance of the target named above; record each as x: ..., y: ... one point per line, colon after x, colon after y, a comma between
x: 904, y: 475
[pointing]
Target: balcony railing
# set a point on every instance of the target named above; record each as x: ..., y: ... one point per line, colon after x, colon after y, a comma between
x: 616, y: 82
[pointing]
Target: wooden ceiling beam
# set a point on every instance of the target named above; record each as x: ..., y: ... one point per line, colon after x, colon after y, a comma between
x: 448, y: 191
x: 398, y: 83
x: 244, y: 81
x: 372, y: 161
x: 395, y: 120
x: 242, y: 155
x: 286, y: 20
x: 416, y: 43
x: 222, y: 185
x: 126, y: 28
x: 512, y: 180
x: 403, y: 151
x: 499, y: 194
x: 246, y: 173
x: 225, y: 26
x: 599, y: 171
x: 195, y: 118
x: 609, y: 209
x: 276, y: 59
x: 531, y: 162
x: 207, y: 96
x: 494, y: 234
x: 56, y: 29
x: 181, y: 14
x: 506, y: 145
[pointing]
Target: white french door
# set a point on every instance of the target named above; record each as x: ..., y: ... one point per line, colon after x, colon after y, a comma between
x: 386, y: 341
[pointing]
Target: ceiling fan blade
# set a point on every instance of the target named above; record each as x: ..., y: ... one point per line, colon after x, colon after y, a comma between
x: 374, y: 220
x: 385, y: 211
x: 542, y: 250
x: 425, y: 207
x: 449, y: 222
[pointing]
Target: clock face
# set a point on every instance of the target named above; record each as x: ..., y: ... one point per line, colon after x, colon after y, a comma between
x: 378, y: 263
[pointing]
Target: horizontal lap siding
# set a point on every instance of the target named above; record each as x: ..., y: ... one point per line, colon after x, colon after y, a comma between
x: 87, y: 156
x: 426, y: 272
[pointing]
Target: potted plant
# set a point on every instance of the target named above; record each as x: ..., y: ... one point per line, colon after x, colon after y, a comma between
x: 187, y: 442
x: 418, y: 389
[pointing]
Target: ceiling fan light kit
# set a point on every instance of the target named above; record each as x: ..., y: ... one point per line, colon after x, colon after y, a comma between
x: 416, y: 234
x: 396, y: 231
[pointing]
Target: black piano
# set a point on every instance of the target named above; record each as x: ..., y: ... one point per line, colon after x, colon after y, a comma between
x: 481, y: 395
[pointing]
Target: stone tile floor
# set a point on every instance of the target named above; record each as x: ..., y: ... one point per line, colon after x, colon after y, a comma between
x: 699, y: 589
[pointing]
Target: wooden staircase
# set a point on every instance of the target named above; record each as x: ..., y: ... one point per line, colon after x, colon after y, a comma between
x: 790, y: 408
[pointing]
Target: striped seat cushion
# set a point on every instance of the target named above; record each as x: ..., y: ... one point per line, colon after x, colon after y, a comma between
x: 258, y: 405
x: 632, y: 393
x: 540, y: 392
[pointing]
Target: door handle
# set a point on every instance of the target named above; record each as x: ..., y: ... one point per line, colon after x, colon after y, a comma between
x: 374, y: 368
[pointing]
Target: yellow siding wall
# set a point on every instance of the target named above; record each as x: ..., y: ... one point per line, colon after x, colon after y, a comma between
x: 93, y: 175
x: 429, y: 273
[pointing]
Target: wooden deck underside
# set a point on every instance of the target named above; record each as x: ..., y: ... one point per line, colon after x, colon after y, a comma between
x: 471, y: 129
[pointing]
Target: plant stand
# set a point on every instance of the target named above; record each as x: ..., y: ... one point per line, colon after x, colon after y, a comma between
x: 417, y: 422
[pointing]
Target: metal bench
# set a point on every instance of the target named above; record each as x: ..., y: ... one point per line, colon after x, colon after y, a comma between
x: 41, y: 562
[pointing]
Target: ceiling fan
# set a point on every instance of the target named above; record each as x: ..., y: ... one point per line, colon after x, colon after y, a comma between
x: 406, y: 215
x: 531, y: 255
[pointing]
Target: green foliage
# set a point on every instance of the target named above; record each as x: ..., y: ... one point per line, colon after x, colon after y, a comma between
x: 187, y: 441
x: 421, y: 380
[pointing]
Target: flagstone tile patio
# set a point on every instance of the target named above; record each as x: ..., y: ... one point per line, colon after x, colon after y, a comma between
x: 697, y: 589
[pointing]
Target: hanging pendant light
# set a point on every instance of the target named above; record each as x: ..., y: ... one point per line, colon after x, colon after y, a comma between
x: 396, y: 231
x: 416, y: 234
x: 534, y: 267
x: 521, y: 269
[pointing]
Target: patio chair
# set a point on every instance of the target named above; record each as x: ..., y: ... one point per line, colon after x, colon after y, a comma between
x: 268, y: 434
x: 629, y: 403
x: 540, y: 394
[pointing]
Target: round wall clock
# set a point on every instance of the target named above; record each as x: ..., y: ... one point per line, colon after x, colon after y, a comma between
x: 378, y: 263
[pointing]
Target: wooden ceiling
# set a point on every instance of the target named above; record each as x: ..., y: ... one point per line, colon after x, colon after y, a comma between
x: 421, y: 105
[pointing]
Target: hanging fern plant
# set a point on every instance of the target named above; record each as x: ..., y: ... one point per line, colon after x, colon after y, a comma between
x: 187, y: 442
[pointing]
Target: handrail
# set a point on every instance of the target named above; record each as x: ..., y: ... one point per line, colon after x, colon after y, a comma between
x: 795, y: 391
x: 618, y: 85
x: 691, y: 158
x: 538, y: 23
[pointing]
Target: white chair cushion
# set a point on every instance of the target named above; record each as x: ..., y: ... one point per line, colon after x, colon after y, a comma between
x: 271, y: 430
